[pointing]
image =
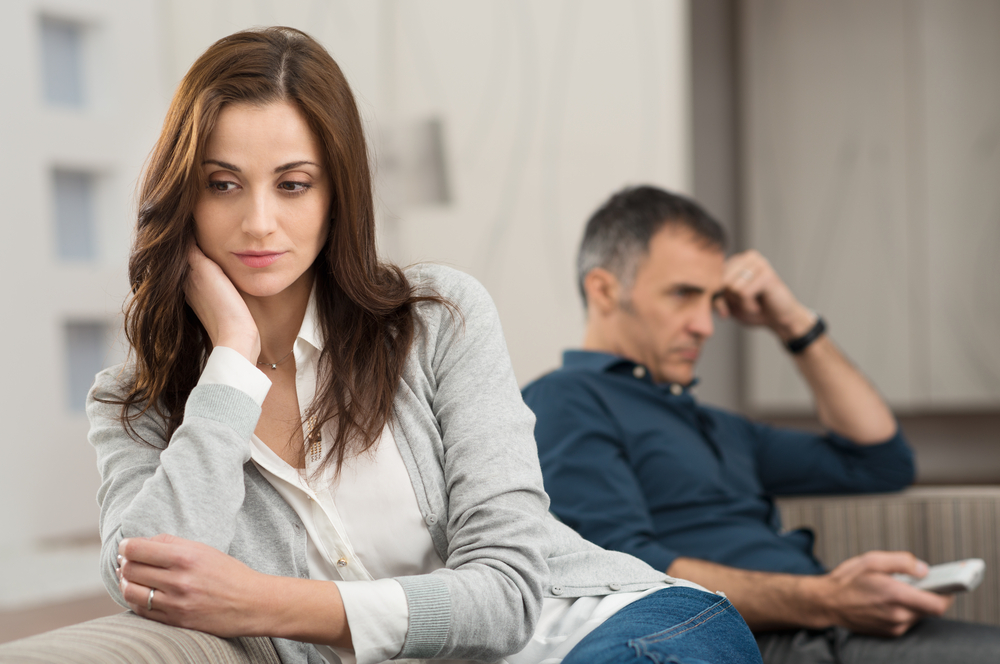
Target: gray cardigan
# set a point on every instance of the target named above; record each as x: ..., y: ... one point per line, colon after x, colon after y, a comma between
x: 467, y: 441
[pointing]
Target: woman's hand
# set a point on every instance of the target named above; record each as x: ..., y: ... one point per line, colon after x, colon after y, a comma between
x: 194, y: 586
x: 219, y: 306
x: 198, y: 587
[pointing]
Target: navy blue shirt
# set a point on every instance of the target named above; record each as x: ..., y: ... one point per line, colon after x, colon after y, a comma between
x: 642, y: 468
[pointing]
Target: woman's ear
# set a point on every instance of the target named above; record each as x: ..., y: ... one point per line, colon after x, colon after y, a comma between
x: 603, y: 291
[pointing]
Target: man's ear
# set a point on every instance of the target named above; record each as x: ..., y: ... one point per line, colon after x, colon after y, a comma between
x: 603, y: 291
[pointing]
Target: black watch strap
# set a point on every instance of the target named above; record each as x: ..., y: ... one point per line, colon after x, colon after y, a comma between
x: 799, y: 344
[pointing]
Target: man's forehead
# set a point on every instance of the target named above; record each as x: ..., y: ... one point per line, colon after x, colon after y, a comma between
x: 677, y: 255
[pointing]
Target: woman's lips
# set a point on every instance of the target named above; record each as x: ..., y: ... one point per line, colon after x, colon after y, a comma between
x: 259, y: 259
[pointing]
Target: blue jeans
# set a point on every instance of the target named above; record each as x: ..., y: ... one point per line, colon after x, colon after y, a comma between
x: 672, y: 626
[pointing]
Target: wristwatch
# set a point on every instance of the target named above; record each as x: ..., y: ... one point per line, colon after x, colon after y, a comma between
x: 799, y: 344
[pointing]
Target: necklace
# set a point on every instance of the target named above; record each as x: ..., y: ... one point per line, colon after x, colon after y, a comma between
x: 274, y: 365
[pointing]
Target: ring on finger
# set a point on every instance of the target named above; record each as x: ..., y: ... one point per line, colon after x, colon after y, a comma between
x: 149, y: 602
x: 746, y: 275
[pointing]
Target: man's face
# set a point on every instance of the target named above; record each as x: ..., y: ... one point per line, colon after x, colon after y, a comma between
x: 664, y: 320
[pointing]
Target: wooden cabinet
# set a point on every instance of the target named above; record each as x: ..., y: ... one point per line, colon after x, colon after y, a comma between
x: 871, y: 180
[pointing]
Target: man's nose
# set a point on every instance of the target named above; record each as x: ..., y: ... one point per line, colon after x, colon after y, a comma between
x: 259, y: 217
x: 702, y: 324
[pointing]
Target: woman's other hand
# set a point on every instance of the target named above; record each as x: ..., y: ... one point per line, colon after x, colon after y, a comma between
x: 220, y: 307
x: 198, y: 587
x: 194, y: 586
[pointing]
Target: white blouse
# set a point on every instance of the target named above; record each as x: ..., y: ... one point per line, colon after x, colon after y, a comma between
x: 365, y: 527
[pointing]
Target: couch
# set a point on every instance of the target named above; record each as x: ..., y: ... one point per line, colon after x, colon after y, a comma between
x: 938, y: 524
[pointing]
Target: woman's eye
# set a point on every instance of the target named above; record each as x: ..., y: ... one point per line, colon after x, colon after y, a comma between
x: 221, y: 186
x: 293, y: 187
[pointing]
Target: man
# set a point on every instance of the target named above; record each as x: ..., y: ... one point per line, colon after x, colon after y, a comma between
x: 634, y: 463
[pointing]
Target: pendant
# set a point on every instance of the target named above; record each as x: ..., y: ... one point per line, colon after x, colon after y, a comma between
x: 274, y: 367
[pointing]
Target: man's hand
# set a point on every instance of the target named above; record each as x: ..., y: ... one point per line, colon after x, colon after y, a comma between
x: 845, y: 401
x: 861, y: 595
x: 754, y: 294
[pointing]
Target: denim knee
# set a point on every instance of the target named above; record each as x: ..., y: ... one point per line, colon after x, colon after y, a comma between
x: 677, y: 625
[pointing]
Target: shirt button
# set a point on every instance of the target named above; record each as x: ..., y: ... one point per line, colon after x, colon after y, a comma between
x: 615, y: 586
x: 669, y: 580
x: 676, y: 389
x: 557, y: 590
x: 342, y: 562
x: 639, y: 372
x: 431, y: 519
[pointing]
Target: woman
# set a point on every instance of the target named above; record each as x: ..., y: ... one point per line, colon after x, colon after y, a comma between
x: 313, y: 446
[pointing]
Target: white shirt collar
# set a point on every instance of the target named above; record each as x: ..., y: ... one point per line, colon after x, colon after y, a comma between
x: 310, y: 331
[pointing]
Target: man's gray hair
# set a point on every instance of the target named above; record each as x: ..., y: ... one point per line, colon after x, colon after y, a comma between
x: 617, y: 235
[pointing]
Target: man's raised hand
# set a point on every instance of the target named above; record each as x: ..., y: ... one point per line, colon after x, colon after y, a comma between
x: 754, y: 294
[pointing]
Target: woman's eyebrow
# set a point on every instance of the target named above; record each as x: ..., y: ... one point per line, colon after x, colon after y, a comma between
x: 228, y: 167
x: 280, y: 169
x: 294, y: 164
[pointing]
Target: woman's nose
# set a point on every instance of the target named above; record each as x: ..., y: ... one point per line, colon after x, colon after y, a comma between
x: 259, y: 219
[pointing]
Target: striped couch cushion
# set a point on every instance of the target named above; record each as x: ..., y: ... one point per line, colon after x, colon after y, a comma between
x: 126, y: 638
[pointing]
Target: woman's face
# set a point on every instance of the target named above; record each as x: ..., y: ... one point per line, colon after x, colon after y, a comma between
x: 263, y: 211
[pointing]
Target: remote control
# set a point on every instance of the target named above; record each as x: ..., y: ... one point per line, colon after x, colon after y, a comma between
x: 948, y: 578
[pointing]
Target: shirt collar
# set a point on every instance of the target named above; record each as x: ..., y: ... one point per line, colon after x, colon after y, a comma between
x: 588, y: 360
x: 597, y: 362
x: 310, y: 330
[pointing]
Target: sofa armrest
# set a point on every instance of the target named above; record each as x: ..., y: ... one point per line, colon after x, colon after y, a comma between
x: 126, y: 637
x: 937, y: 524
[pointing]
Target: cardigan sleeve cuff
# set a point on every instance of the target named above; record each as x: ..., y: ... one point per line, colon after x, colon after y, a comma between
x: 226, y: 405
x: 226, y: 366
x: 653, y: 554
x: 377, y: 615
x: 430, y: 615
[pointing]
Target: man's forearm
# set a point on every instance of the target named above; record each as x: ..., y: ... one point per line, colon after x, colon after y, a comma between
x: 846, y: 402
x: 766, y: 600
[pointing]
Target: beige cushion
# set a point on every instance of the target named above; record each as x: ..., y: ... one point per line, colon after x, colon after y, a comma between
x: 938, y: 524
x: 126, y: 638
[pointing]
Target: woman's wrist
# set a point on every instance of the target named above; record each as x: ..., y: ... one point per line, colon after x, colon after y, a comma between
x: 300, y: 610
x: 245, y: 344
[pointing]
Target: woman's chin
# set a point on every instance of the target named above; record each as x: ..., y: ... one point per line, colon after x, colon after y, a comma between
x: 263, y: 287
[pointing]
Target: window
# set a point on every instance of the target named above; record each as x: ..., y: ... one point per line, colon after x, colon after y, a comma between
x: 74, y: 208
x: 62, y: 62
x: 87, y: 350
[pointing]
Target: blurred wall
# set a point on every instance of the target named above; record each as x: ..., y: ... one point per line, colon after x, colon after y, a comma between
x: 544, y: 110
x: 71, y: 147
x: 956, y: 437
x: 528, y: 114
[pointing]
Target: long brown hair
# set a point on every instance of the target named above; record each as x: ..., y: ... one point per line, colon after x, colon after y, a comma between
x: 364, y: 306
